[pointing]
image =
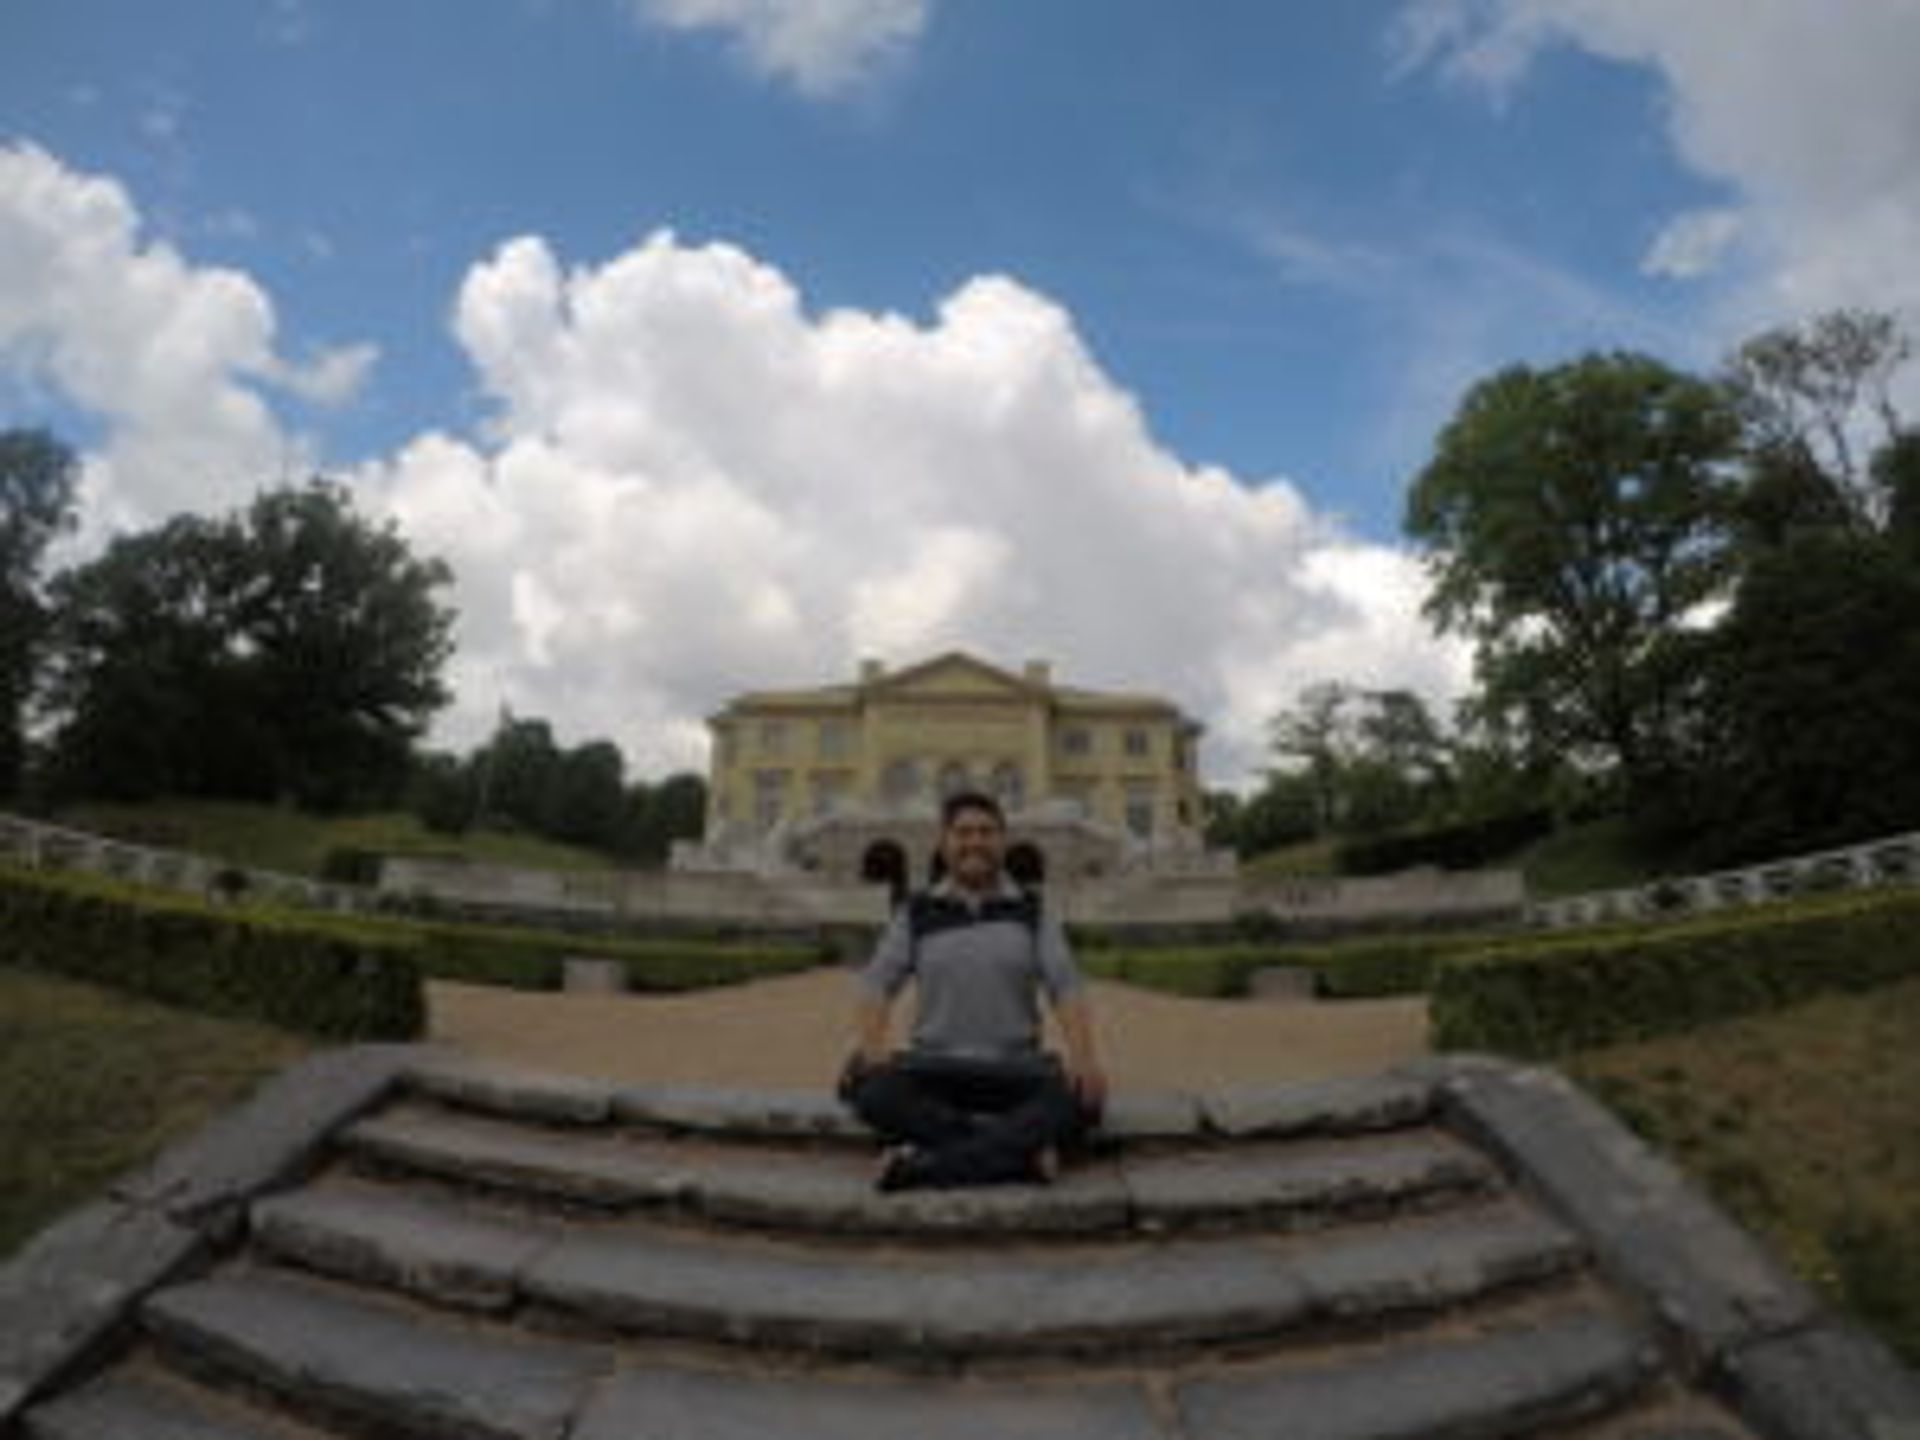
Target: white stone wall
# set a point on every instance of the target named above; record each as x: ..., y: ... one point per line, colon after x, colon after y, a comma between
x: 1894, y: 860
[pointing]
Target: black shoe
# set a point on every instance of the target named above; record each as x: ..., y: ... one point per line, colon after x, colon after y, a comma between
x: 906, y: 1168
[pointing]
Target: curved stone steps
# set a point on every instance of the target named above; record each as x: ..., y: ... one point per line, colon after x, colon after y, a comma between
x: 347, y: 1360
x: 148, y: 1406
x: 342, y: 1358
x: 1263, y: 1184
x: 1343, y: 1105
x: 1479, y: 1254
x: 963, y: 1302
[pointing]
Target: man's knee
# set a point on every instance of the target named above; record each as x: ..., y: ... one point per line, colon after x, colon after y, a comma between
x: 868, y: 1088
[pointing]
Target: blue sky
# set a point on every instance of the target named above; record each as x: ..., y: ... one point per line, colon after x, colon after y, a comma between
x: 1227, y: 274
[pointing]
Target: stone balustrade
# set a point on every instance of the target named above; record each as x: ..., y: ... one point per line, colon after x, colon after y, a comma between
x: 1894, y: 860
x: 41, y: 846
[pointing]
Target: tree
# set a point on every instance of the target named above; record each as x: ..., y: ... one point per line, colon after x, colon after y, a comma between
x: 1370, y: 759
x: 289, y: 652
x: 1805, y: 392
x: 1221, y: 812
x: 519, y: 765
x: 1812, y: 703
x: 444, y: 792
x: 1808, y: 728
x: 345, y: 641
x: 1283, y: 811
x: 1574, y: 523
x: 37, y: 475
x: 1316, y: 738
x: 586, y: 801
x: 658, y: 815
x: 143, y: 673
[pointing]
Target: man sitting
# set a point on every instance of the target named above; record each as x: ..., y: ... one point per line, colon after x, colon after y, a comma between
x: 974, y: 1100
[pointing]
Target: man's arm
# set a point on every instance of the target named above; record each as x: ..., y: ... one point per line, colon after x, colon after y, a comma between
x: 1083, y: 1057
x: 875, y: 988
x: 870, y: 1013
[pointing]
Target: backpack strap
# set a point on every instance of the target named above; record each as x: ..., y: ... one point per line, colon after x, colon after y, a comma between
x: 929, y: 914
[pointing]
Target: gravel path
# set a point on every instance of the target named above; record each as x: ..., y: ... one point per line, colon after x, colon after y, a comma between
x: 792, y: 1031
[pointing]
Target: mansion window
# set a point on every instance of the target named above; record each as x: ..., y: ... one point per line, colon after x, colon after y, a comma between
x: 900, y: 781
x: 953, y: 779
x: 1140, y: 810
x: 1009, y: 786
x: 773, y: 737
x: 768, y: 788
x: 1136, y: 742
x: 836, y: 739
x: 829, y: 791
x: 1076, y: 741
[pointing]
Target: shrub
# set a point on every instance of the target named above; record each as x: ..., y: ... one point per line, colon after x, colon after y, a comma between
x: 313, y: 976
x: 1558, y: 994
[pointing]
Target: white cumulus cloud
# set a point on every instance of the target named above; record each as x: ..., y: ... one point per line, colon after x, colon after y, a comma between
x: 689, y: 483
x: 822, y: 48
x: 1807, y: 109
x: 170, y: 356
x: 692, y: 485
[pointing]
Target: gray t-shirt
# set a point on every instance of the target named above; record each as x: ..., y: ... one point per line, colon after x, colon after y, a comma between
x: 978, y: 974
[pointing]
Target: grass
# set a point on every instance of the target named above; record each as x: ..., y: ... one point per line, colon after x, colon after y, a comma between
x: 1802, y: 1124
x: 1598, y: 855
x: 1309, y: 857
x: 272, y: 838
x: 93, y: 1084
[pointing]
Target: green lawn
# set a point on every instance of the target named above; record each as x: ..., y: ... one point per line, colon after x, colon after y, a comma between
x: 1310, y: 857
x: 287, y: 840
x: 1573, y: 861
x: 1803, y: 1124
x: 93, y: 1083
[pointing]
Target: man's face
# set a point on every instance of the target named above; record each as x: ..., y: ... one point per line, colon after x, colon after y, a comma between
x: 972, y: 847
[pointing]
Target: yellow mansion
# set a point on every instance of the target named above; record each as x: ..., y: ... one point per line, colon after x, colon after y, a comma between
x: 846, y: 780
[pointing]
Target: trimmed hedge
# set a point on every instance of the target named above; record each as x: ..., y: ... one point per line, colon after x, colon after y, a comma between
x: 1205, y: 972
x: 1560, y: 994
x: 1348, y: 970
x: 315, y: 977
x: 533, y: 959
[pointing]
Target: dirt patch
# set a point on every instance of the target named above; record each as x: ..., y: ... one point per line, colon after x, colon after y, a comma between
x: 793, y: 1031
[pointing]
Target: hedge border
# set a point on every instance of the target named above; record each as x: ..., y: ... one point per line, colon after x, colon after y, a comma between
x: 316, y: 978
x: 1566, y: 993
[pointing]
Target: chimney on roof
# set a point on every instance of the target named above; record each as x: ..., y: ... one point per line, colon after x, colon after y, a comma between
x: 1039, y: 672
x: 871, y: 670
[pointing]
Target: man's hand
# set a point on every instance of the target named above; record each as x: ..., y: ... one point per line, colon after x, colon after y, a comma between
x: 1084, y: 1074
x: 1089, y: 1087
x: 852, y: 1073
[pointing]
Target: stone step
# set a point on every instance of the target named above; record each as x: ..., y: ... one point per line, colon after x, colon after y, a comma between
x: 321, y: 1353
x: 1268, y: 1184
x: 1509, y: 1383
x: 127, y: 1404
x: 1336, y: 1106
x: 371, y: 1365
x: 434, y: 1249
x: 1501, y: 1385
x: 971, y: 1301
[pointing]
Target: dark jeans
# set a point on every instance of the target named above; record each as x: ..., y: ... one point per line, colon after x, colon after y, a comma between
x: 978, y: 1122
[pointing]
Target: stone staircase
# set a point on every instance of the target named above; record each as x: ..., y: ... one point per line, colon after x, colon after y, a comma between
x: 390, y: 1242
